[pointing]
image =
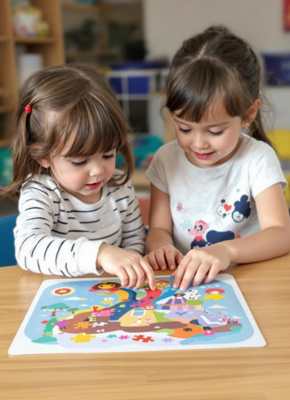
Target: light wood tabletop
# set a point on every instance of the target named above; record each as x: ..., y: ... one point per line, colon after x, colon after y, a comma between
x: 214, y: 374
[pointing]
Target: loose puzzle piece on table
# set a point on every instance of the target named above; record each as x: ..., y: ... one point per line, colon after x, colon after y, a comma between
x: 98, y: 315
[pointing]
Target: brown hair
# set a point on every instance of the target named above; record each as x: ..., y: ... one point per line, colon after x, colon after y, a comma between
x: 67, y: 101
x: 214, y: 65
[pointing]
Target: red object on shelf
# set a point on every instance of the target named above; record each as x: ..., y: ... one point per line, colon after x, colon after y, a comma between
x: 286, y: 15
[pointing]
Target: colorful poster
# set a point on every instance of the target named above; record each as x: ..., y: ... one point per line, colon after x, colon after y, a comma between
x: 98, y: 316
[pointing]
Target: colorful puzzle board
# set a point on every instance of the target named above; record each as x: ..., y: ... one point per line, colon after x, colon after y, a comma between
x: 98, y: 316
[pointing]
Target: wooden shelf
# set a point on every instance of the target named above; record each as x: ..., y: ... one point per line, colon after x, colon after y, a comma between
x: 50, y: 48
x: 3, y: 92
x: 33, y: 40
x: 6, y: 109
x: 5, y: 143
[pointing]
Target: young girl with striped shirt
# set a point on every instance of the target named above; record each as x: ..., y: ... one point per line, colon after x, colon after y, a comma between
x: 77, y: 213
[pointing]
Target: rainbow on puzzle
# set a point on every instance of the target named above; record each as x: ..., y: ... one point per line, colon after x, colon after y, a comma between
x: 99, y: 315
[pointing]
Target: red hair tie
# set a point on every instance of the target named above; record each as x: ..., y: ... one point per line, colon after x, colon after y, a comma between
x: 28, y: 109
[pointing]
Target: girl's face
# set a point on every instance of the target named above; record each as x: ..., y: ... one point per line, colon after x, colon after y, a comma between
x: 82, y: 176
x: 211, y: 141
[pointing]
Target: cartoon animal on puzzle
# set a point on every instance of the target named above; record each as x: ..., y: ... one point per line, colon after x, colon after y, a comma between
x: 167, y: 312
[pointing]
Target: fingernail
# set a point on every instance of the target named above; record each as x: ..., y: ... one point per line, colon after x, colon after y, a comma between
x: 175, y: 286
x: 182, y: 287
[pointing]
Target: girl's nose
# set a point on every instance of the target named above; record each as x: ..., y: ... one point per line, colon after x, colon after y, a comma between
x: 200, y: 141
x: 97, y: 169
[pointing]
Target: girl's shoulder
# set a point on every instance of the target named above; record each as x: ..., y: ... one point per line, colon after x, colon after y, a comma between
x: 251, y: 147
x: 125, y: 188
x: 41, y: 184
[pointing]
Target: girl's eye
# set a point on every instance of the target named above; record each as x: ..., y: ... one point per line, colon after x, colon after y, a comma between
x: 184, y: 130
x: 78, y: 163
x: 107, y: 156
x: 216, y: 133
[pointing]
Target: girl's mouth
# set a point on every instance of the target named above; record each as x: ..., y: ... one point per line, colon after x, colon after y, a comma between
x: 94, y: 185
x: 203, y: 156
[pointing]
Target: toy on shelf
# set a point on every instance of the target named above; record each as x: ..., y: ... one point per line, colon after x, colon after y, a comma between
x: 144, y: 148
x: 27, y: 21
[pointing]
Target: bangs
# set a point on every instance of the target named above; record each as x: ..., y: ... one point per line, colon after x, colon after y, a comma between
x: 197, y: 86
x: 93, y: 129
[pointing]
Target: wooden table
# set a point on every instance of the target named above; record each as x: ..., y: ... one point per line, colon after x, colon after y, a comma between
x: 213, y: 374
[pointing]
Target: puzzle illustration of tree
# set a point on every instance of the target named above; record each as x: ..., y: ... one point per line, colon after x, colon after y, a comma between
x: 98, y: 315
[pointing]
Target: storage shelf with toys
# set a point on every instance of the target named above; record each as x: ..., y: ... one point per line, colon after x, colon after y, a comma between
x: 44, y: 42
x: 29, y: 28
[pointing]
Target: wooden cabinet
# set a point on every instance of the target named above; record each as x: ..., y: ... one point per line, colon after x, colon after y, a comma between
x: 51, y: 50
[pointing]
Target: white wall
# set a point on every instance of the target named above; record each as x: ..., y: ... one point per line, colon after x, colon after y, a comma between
x: 168, y: 22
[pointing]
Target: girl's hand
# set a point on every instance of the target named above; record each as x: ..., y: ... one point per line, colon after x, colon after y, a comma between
x: 201, y: 265
x: 131, y: 268
x: 166, y: 256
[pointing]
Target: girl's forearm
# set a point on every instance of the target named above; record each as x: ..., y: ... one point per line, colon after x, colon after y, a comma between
x: 266, y: 244
x: 157, y: 237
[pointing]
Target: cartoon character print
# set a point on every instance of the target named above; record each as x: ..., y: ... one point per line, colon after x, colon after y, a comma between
x: 212, y: 236
x: 200, y: 227
x: 224, y: 209
x: 242, y: 209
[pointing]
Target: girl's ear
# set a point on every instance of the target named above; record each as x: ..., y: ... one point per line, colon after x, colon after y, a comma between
x: 43, y: 162
x: 253, y: 110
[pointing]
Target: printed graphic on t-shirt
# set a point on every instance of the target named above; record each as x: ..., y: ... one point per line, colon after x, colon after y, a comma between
x: 200, y: 229
x: 239, y: 211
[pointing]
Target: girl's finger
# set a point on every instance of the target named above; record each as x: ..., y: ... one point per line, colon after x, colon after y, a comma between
x: 188, y: 269
x: 140, y: 276
x: 131, y: 275
x: 161, y: 260
x: 123, y: 276
x: 179, y: 274
x: 178, y: 258
x: 212, y: 273
x: 171, y: 259
x: 152, y: 261
x: 149, y: 273
x: 201, y: 273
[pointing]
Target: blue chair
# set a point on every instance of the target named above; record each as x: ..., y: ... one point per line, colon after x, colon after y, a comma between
x: 7, y: 250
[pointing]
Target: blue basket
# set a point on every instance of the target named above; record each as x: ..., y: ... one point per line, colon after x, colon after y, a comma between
x: 153, y: 64
x: 144, y: 148
x: 277, y: 68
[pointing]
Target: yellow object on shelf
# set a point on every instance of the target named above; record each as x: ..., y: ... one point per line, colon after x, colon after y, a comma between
x: 281, y: 142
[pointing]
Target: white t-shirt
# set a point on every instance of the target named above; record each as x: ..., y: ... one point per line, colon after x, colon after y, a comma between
x: 209, y: 205
x: 58, y: 234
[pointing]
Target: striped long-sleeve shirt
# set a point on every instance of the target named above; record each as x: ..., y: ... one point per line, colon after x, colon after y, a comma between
x: 58, y: 234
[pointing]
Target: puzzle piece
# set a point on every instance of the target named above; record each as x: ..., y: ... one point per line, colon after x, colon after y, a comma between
x: 82, y: 325
x: 213, y: 296
x: 142, y: 338
x: 99, y: 324
x: 82, y: 338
